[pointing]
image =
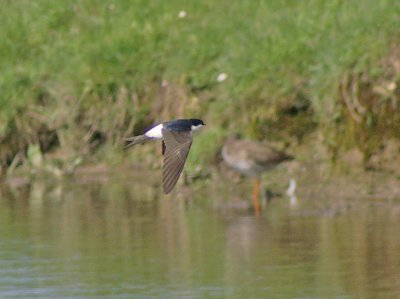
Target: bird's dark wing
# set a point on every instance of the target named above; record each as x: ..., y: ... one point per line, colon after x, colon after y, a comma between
x: 163, y: 148
x: 176, y: 147
x: 271, y: 156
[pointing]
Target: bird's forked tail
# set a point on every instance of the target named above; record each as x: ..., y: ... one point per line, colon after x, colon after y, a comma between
x: 137, y: 140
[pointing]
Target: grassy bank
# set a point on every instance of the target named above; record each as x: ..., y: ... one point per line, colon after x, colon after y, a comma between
x: 79, y: 76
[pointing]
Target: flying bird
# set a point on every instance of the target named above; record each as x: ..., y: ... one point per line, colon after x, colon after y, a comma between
x: 252, y: 158
x: 176, y: 138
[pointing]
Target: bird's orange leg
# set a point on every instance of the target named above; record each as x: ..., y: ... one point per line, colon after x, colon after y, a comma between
x: 256, y: 195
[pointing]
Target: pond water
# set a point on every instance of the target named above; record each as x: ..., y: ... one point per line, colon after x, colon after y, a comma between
x: 107, y: 241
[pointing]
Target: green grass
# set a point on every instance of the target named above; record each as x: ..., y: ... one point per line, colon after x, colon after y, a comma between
x: 89, y: 66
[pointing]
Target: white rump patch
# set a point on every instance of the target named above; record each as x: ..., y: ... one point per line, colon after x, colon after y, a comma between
x: 155, y: 132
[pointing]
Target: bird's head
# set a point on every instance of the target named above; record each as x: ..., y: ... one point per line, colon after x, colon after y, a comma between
x: 197, y: 124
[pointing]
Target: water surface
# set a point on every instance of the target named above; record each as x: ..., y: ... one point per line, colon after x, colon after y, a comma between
x: 109, y: 241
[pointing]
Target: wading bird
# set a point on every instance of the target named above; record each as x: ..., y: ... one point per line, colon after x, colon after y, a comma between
x: 252, y: 158
x: 176, y: 138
